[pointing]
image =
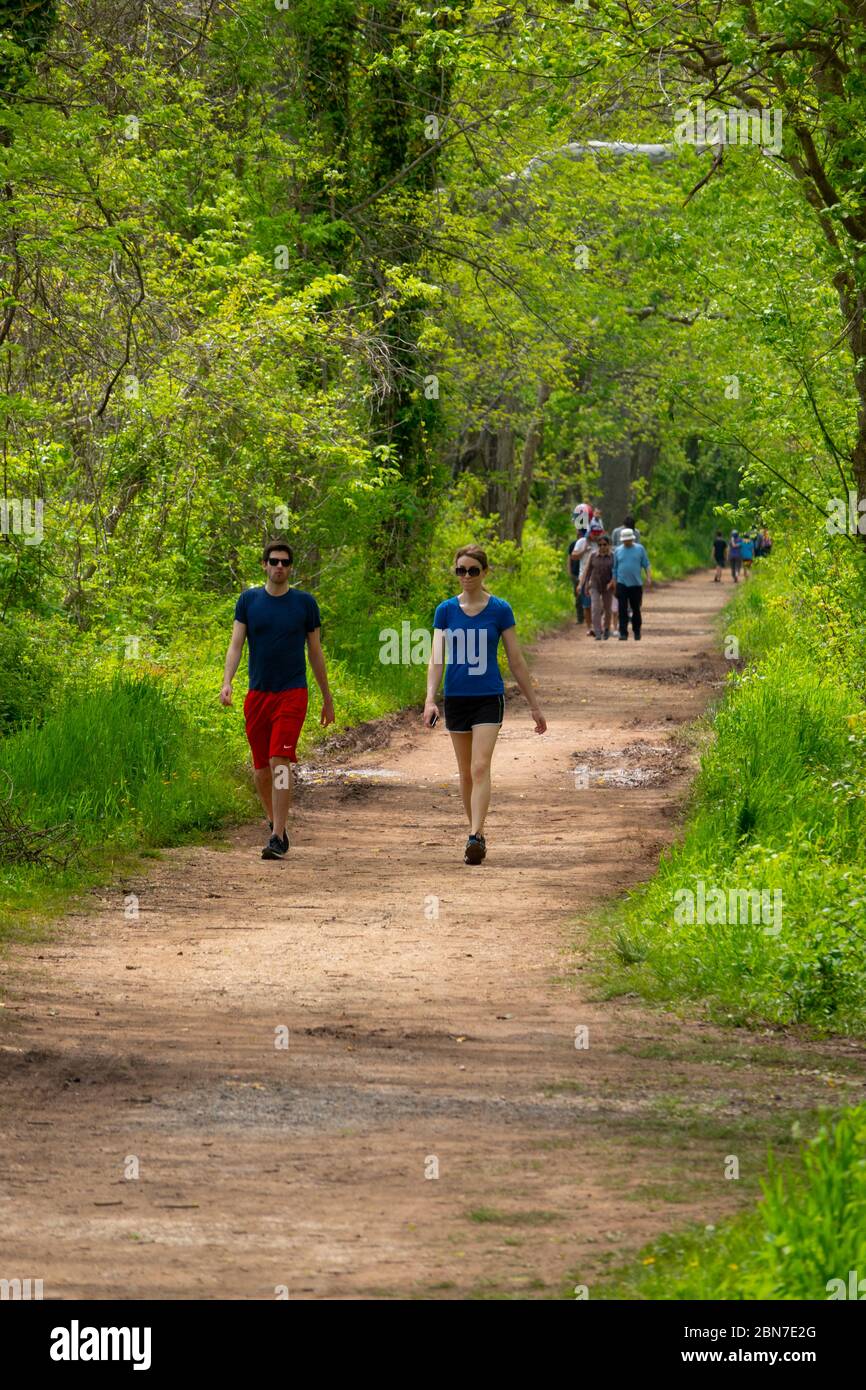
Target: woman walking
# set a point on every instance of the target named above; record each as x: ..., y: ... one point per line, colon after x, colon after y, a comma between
x: 596, y: 582
x: 468, y: 628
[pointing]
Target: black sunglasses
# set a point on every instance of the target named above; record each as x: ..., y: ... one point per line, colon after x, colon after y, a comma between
x: 286, y: 563
x: 467, y: 569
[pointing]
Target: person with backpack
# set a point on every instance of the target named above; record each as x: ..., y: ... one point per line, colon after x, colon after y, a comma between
x: 572, y: 569
x: 630, y: 560
x: 720, y: 549
x: 735, y: 555
x: 747, y: 552
x: 596, y: 582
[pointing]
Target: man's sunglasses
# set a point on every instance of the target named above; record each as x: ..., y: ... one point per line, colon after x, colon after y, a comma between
x: 286, y: 563
x: 474, y: 570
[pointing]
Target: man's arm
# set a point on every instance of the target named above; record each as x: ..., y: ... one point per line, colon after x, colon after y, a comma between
x: 233, y: 657
x: 317, y: 662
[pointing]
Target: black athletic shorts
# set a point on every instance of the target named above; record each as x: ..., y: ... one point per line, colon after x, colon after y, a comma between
x: 464, y: 711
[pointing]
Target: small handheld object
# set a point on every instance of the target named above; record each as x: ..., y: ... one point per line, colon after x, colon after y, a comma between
x: 434, y: 721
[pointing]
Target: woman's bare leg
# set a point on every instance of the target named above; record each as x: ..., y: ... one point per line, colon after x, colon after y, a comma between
x: 463, y: 750
x: 484, y: 738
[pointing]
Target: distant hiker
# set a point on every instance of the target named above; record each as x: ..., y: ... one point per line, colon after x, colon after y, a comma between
x: 584, y: 548
x: 735, y: 555
x: 572, y: 569
x: 720, y: 549
x: 467, y: 629
x: 278, y: 622
x: 765, y: 541
x: 596, y: 582
x: 629, y: 561
x: 627, y: 525
x: 747, y: 553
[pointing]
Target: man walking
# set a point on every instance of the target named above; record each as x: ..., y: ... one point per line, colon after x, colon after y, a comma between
x: 278, y: 622
x: 629, y: 561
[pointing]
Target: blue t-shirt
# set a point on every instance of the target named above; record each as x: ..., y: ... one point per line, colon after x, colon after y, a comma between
x: 471, y: 646
x: 628, y: 561
x: 747, y: 549
x: 277, y: 627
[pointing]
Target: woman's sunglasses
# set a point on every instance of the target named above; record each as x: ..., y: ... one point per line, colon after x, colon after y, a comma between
x: 472, y: 570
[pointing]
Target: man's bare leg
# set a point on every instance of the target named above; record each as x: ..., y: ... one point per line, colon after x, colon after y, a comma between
x: 264, y: 780
x: 281, y: 794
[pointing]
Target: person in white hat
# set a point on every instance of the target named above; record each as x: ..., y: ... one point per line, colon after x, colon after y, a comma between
x: 630, y: 560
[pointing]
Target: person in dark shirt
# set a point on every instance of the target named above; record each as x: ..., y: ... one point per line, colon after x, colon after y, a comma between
x: 572, y: 569
x: 720, y: 547
x: 280, y: 625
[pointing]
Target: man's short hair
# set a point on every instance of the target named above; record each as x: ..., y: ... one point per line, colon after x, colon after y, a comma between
x: 276, y: 544
x: 628, y: 521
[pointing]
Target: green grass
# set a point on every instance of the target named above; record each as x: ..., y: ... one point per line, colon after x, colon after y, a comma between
x: 124, y: 768
x: 672, y: 551
x: 779, y: 805
x: 808, y: 1229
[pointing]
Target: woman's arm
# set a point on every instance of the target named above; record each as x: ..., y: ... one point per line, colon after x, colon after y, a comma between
x: 520, y: 672
x: 435, y: 667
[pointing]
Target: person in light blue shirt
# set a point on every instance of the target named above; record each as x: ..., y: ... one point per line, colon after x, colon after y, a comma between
x: 629, y: 562
x: 747, y: 550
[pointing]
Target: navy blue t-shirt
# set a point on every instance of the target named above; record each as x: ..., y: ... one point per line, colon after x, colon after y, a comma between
x: 471, y: 646
x: 277, y: 627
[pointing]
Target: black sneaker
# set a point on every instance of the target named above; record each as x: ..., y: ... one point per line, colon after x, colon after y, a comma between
x: 476, y: 848
x: 276, y: 848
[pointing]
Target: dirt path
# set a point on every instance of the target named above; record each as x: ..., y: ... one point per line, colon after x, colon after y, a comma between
x: 410, y: 1038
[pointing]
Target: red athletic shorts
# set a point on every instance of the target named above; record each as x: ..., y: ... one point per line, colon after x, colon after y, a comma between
x: 274, y: 719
